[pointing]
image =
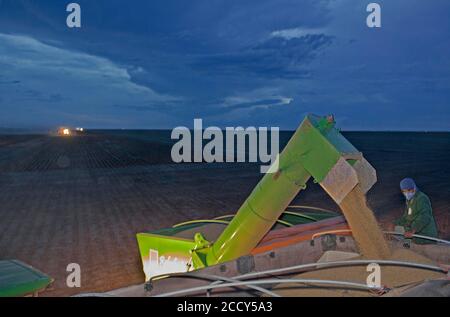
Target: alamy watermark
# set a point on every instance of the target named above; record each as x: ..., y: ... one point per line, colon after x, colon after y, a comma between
x: 234, y: 144
x: 373, y: 20
x: 374, y: 278
x: 74, y: 18
x: 74, y: 277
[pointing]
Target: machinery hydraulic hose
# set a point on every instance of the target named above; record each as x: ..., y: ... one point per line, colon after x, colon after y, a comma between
x: 419, y: 236
x: 341, y: 284
x: 340, y: 263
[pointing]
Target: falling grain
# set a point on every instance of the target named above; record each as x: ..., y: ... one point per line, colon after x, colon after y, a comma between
x: 364, y: 226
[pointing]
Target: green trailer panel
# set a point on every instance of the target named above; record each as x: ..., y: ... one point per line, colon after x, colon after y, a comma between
x: 20, y: 279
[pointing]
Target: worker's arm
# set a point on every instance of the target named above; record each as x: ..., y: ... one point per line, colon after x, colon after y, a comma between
x: 422, y: 215
x: 401, y: 221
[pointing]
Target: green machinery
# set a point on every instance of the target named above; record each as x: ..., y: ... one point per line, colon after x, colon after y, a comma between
x: 20, y: 279
x: 317, y: 149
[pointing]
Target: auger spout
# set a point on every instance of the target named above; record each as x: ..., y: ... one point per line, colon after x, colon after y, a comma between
x: 317, y: 150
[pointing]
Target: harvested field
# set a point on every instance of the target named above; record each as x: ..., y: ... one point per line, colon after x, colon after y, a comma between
x: 83, y: 199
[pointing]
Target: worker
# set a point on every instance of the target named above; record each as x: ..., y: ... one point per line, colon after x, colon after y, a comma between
x: 418, y: 216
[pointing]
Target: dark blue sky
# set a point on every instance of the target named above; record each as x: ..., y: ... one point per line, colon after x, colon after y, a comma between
x: 159, y: 64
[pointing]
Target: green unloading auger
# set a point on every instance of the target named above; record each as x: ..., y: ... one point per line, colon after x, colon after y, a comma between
x: 317, y: 149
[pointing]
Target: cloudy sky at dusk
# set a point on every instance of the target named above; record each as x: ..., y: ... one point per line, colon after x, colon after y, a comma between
x: 159, y: 64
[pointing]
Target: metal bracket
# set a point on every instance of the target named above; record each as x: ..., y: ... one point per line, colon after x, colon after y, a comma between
x: 329, y: 242
x: 245, y: 264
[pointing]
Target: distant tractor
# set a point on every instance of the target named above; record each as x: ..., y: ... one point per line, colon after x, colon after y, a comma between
x: 64, y: 131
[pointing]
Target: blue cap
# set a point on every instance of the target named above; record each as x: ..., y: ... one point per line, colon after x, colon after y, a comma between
x: 407, y: 183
